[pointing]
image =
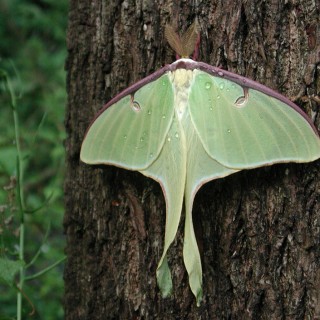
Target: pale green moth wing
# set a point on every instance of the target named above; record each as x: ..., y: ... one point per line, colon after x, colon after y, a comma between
x: 133, y: 133
x: 130, y: 133
x: 201, y: 168
x: 170, y: 171
x: 246, y: 128
x: 229, y: 130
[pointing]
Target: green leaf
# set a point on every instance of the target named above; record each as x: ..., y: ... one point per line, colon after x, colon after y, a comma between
x: 8, y: 269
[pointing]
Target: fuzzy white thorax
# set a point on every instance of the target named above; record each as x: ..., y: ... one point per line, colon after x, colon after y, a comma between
x: 183, y: 60
x: 181, y: 80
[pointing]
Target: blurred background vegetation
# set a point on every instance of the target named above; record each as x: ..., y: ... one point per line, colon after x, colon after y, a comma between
x: 33, y: 52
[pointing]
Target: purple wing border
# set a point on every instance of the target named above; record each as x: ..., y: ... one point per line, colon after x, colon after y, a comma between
x: 135, y: 87
x: 131, y: 90
x: 214, y: 71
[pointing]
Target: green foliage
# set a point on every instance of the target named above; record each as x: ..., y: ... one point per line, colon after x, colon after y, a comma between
x: 32, y: 52
x: 8, y: 269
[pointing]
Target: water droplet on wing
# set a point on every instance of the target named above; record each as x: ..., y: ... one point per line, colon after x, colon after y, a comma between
x: 221, y: 85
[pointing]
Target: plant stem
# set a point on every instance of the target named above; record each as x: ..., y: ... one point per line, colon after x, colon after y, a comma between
x: 19, y: 193
x: 21, y: 272
x: 40, y: 273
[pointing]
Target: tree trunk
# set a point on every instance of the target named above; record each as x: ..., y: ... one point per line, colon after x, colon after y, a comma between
x: 258, y: 230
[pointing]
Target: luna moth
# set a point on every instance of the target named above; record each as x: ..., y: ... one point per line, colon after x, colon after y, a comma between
x: 189, y: 123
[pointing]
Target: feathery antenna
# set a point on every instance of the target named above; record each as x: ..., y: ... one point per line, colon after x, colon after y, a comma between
x: 183, y: 46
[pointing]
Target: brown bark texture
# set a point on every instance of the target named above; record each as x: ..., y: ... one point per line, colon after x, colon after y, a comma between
x: 258, y: 230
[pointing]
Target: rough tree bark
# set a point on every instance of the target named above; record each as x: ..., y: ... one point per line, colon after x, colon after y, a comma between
x: 258, y: 231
